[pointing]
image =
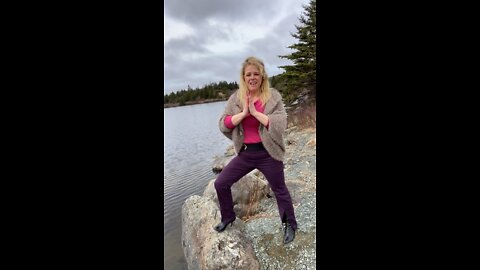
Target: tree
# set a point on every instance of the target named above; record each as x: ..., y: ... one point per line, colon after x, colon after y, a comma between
x: 302, y: 74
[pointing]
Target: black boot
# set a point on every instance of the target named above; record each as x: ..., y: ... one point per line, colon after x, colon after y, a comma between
x: 289, y: 233
x: 221, y: 226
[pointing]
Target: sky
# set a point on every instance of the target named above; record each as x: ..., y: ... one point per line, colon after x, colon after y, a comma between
x: 206, y: 41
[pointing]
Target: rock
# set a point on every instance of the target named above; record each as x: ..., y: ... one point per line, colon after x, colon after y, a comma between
x: 204, y: 248
x: 230, y: 151
x: 246, y: 193
x: 220, y: 162
x: 312, y: 142
x: 291, y: 129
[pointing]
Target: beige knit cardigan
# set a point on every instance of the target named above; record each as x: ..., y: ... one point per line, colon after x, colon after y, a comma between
x: 272, y: 138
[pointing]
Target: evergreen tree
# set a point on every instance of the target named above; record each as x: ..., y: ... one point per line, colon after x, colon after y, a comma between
x: 302, y: 74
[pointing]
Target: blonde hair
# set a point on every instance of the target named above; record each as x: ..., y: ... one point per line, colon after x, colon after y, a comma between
x: 265, y: 93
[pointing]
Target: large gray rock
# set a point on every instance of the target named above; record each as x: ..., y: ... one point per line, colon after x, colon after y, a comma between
x: 246, y: 194
x: 204, y: 248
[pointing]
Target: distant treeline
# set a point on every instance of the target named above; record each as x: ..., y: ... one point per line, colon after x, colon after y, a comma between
x: 216, y: 91
x: 213, y: 91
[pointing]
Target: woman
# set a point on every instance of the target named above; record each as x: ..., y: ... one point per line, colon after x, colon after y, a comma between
x: 255, y: 120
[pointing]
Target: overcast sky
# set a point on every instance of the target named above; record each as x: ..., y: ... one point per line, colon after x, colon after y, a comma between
x: 206, y: 41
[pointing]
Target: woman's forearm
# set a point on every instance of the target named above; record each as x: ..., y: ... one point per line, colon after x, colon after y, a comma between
x: 262, y: 118
x: 237, y: 118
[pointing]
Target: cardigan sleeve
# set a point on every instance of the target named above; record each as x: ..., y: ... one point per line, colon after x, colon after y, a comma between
x: 277, y: 122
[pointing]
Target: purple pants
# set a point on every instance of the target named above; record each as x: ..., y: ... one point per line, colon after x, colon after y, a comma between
x: 272, y: 169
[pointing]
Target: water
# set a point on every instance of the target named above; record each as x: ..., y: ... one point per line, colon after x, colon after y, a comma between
x: 192, y: 140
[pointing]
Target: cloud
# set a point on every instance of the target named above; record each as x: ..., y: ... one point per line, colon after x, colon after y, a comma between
x: 197, y: 11
x: 206, y: 41
x: 175, y: 29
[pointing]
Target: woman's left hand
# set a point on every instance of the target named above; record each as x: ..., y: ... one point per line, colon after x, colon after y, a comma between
x: 251, y: 107
x: 262, y: 118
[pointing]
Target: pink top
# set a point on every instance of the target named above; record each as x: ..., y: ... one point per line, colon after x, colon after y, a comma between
x: 250, y: 125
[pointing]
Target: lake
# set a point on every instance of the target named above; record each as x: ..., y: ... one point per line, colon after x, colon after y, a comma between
x: 191, y: 142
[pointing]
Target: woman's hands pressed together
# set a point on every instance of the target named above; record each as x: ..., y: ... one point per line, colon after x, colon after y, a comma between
x: 251, y: 106
x: 262, y: 118
x: 246, y: 106
x: 237, y: 118
x: 249, y: 109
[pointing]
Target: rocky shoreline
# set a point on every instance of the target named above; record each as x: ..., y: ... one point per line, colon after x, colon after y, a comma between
x: 255, y: 239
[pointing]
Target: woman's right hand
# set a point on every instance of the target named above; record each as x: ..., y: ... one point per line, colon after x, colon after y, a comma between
x: 245, y: 111
x: 237, y: 118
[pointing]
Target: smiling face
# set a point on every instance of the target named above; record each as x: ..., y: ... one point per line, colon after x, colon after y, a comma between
x: 253, y: 79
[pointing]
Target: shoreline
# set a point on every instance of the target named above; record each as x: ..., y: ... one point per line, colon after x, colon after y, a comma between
x: 170, y: 105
